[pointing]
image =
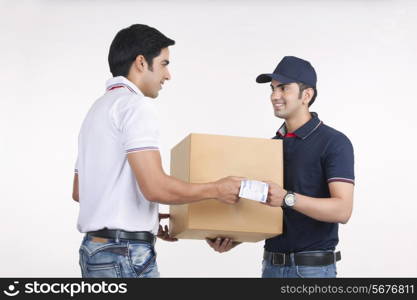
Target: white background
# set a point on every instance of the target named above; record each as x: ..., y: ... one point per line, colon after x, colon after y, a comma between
x: 53, y: 65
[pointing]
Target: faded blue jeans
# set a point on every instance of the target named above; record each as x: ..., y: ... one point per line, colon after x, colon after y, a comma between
x: 272, y: 271
x: 111, y: 258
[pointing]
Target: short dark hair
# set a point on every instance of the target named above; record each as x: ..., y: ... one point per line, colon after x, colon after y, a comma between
x: 137, y: 39
x: 302, y: 87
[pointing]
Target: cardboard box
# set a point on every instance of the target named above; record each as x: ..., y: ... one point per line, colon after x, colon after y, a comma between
x: 203, y: 158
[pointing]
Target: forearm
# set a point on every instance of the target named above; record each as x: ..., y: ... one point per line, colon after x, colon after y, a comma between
x: 332, y: 210
x: 157, y: 186
x: 169, y: 190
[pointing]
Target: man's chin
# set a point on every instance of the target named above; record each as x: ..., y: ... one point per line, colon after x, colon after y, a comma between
x: 280, y: 115
x: 152, y: 96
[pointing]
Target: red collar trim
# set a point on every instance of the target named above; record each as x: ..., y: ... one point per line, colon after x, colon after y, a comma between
x: 287, y: 135
x: 290, y: 135
x: 116, y: 87
x: 120, y: 85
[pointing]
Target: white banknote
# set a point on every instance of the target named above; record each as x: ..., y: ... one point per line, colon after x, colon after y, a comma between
x: 254, y: 190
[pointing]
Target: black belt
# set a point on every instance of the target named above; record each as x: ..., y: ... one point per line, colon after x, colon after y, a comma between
x: 144, y: 236
x: 303, y: 259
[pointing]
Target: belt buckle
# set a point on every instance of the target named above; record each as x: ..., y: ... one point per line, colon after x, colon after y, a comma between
x: 274, y: 259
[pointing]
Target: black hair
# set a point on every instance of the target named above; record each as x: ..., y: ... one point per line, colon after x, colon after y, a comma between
x: 302, y: 87
x: 137, y: 39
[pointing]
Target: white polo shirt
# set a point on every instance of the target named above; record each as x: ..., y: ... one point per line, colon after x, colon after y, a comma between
x: 120, y: 122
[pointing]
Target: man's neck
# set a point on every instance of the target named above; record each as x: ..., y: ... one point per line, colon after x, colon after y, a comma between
x: 135, y: 80
x: 296, y: 122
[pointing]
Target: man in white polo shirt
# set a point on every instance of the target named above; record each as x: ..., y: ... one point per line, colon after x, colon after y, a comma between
x: 119, y: 178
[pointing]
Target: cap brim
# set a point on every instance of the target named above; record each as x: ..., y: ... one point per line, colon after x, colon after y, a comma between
x: 263, y: 78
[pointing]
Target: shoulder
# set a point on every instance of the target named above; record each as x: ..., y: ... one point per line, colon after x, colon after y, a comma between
x: 134, y: 103
x: 128, y: 109
x: 335, y: 138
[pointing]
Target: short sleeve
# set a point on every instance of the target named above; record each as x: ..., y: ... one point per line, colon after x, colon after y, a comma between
x: 138, y: 124
x: 339, y: 160
x: 76, y: 166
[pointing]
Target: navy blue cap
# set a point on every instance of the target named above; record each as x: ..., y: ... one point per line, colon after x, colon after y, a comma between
x: 291, y: 69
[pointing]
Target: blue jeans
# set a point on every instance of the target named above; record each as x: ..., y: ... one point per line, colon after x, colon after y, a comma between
x: 111, y: 258
x: 272, y: 271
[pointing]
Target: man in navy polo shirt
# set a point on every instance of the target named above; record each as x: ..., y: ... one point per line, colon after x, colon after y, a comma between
x: 318, y: 179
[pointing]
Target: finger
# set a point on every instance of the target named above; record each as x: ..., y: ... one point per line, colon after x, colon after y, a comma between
x: 217, y: 243
x: 212, y: 242
x: 223, y: 245
x: 166, y: 232
x: 163, y: 216
x: 172, y: 240
x: 162, y: 233
x: 167, y: 235
x: 209, y: 241
x: 169, y: 239
x: 229, y: 244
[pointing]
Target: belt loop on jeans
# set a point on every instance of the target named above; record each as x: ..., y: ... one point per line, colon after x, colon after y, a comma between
x: 117, y: 236
x: 279, y: 260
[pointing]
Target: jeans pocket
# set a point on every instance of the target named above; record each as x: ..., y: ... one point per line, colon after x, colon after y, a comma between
x: 331, y: 271
x: 310, y: 271
x: 103, y: 271
x: 103, y: 263
x: 143, y: 260
x: 316, y: 272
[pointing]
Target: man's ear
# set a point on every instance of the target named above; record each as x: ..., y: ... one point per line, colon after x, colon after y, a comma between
x: 140, y: 63
x: 308, y: 95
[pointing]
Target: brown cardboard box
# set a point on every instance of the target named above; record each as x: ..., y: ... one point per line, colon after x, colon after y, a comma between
x: 203, y: 158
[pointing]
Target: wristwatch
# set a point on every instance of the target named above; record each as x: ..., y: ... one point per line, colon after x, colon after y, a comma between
x: 289, y: 200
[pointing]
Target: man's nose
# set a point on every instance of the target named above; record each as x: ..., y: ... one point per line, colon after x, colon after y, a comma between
x: 276, y: 95
x: 167, y: 75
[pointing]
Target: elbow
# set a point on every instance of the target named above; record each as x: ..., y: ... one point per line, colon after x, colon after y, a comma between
x: 156, y: 191
x: 153, y: 194
x: 158, y: 197
x: 346, y: 212
x: 344, y: 221
x: 345, y: 218
x: 152, y: 197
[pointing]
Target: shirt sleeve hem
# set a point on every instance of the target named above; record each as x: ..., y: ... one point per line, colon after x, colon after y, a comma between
x: 131, y: 150
x: 341, y: 179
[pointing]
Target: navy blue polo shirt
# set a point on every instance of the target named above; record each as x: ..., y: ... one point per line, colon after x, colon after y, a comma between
x: 314, y: 155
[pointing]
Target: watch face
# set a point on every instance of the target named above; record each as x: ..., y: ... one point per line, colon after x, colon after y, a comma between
x: 290, y: 200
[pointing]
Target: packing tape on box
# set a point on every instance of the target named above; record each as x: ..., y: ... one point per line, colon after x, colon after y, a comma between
x: 254, y: 190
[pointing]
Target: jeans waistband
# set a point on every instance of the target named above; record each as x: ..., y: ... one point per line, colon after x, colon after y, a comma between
x: 320, y: 258
x: 144, y: 236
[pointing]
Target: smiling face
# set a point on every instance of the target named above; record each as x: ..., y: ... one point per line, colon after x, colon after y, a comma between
x: 153, y: 77
x: 286, y: 100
